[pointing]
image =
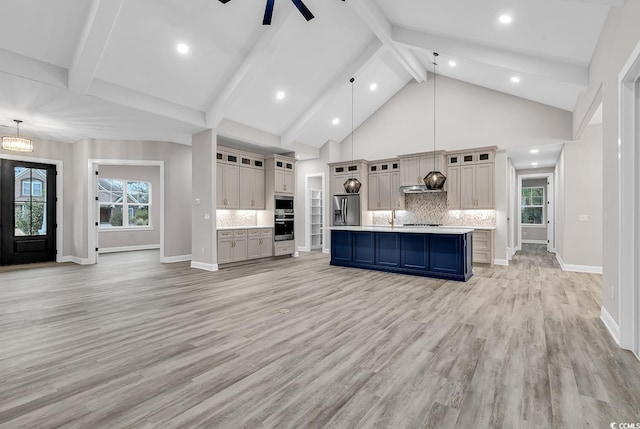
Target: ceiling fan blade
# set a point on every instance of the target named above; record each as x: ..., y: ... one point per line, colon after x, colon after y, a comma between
x: 268, y: 12
x: 303, y: 9
x: 227, y: 1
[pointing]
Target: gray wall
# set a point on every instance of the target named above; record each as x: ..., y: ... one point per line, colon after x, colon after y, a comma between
x: 204, y: 244
x: 619, y: 37
x: 75, y: 200
x: 579, y: 176
x: 114, y: 238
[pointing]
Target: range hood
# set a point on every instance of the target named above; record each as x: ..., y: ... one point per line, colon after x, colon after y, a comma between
x: 418, y: 189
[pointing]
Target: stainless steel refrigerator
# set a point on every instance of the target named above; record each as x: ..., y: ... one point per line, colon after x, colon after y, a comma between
x: 346, y: 210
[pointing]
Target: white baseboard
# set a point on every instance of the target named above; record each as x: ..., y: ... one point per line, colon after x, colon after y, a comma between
x: 503, y: 262
x: 203, y: 266
x: 174, y: 259
x: 304, y: 249
x: 296, y: 255
x: 611, y: 325
x: 327, y: 251
x: 128, y: 248
x: 534, y: 241
x: 578, y: 268
x: 75, y: 260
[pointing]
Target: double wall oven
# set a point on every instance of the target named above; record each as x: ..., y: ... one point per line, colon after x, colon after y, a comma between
x: 283, y: 218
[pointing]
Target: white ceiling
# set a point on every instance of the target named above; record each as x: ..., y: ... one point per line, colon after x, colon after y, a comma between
x: 110, y: 69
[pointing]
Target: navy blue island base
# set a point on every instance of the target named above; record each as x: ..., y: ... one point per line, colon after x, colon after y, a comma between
x: 439, y: 255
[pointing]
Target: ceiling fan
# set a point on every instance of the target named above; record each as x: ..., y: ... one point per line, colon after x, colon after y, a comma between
x: 268, y: 12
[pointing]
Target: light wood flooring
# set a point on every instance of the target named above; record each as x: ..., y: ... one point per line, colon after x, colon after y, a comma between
x: 132, y: 343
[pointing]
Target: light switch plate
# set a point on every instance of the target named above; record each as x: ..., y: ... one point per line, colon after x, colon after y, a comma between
x: 583, y: 218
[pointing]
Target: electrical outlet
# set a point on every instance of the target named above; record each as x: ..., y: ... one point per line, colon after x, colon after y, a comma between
x: 203, y: 250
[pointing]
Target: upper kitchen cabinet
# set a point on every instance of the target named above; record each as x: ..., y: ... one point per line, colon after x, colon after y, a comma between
x: 453, y: 188
x: 281, y: 170
x: 384, y: 184
x: 227, y: 179
x: 251, y: 189
x: 413, y: 168
x: 342, y: 171
x: 476, y: 174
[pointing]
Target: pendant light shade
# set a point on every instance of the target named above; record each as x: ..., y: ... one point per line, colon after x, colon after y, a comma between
x: 435, y: 180
x: 352, y: 185
x: 17, y: 143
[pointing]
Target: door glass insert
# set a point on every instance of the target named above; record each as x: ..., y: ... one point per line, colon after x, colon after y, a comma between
x: 30, y: 201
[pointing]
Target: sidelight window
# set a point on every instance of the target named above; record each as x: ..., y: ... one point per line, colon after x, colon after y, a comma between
x: 124, y: 203
x: 533, y: 205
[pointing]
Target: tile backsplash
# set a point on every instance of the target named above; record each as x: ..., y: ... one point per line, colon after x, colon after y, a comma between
x: 432, y: 208
x: 226, y: 218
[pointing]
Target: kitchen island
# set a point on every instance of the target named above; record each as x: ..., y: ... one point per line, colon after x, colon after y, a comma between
x: 430, y: 251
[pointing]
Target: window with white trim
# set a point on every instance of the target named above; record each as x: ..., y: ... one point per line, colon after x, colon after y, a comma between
x: 532, y: 205
x: 124, y: 203
x: 31, y: 188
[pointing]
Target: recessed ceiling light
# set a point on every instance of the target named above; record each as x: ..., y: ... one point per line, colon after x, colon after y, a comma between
x: 452, y: 63
x: 535, y: 164
x: 505, y: 19
x: 373, y: 86
x: 280, y: 95
x: 183, y: 49
x: 534, y: 151
x: 515, y: 79
x: 335, y: 121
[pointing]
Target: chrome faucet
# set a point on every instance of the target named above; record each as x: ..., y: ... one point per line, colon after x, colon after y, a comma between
x: 393, y: 218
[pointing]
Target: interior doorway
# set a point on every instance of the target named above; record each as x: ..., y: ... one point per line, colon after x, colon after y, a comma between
x: 536, y: 217
x: 315, y: 212
x: 629, y: 206
x: 27, y: 212
x: 141, y: 212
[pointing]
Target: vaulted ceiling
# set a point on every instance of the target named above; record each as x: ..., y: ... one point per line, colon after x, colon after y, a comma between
x: 75, y: 69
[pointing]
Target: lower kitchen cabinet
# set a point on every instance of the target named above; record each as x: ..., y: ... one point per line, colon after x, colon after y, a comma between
x: 235, y: 245
x: 446, y: 256
x: 483, y: 248
x: 259, y: 243
x: 415, y: 251
x: 281, y: 248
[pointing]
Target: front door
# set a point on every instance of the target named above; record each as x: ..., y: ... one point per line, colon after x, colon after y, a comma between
x: 27, y: 212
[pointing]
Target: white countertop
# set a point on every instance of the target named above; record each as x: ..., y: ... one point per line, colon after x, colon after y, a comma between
x: 223, y: 228
x: 488, y: 228
x: 412, y: 229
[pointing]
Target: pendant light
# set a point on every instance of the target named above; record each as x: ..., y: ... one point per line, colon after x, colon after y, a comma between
x: 352, y: 185
x: 435, y: 179
x: 17, y: 143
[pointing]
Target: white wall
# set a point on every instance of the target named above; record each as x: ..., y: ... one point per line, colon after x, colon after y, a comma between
x: 114, y: 238
x: 580, y: 183
x: 468, y: 116
x: 620, y: 35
